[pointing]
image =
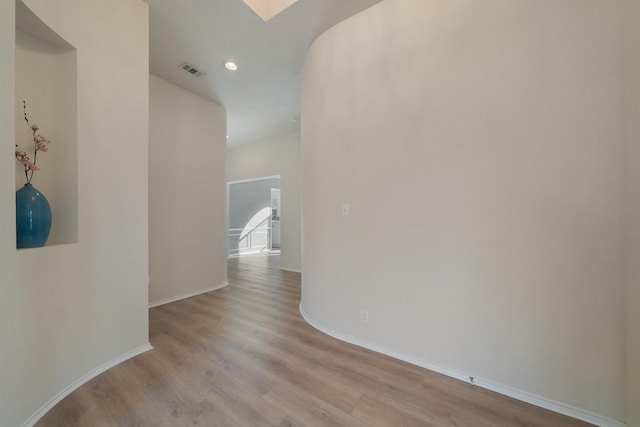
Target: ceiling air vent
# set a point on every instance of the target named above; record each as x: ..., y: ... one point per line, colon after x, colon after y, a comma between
x: 188, y: 68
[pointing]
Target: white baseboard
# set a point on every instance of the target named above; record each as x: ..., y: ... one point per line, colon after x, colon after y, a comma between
x: 33, y: 419
x: 552, y: 405
x: 524, y: 396
x: 291, y: 270
x: 189, y: 295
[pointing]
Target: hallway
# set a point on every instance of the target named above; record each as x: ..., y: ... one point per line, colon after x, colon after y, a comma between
x: 243, y: 356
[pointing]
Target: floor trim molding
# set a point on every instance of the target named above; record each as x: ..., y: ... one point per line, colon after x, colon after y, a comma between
x: 524, y: 396
x: 33, y: 419
x: 291, y: 270
x: 189, y: 295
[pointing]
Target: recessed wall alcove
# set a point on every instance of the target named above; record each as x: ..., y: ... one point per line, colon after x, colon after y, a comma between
x: 46, y: 78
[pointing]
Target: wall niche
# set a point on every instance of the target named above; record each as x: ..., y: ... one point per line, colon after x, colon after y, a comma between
x: 46, y: 79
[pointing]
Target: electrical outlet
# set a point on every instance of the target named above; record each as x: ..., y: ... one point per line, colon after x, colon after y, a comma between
x: 364, y: 316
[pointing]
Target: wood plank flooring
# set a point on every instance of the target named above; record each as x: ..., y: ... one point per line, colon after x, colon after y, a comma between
x: 242, y: 356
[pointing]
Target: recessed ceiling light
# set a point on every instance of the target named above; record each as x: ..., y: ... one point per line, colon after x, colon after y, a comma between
x: 231, y: 66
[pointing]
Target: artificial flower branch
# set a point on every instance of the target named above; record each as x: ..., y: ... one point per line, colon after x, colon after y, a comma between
x: 40, y: 144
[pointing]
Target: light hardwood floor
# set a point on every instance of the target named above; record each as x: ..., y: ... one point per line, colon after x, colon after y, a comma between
x: 243, y: 356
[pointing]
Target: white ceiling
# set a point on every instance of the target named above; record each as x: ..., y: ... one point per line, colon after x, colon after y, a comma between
x: 262, y: 98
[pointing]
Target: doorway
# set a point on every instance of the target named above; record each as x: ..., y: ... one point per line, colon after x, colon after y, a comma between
x: 254, y: 222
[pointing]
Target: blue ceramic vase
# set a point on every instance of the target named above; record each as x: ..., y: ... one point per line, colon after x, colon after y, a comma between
x: 33, y: 217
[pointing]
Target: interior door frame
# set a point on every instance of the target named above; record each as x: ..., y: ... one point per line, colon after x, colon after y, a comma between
x: 241, y: 181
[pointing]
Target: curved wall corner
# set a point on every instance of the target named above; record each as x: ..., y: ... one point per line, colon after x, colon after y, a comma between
x: 69, y: 310
x: 186, y: 248
x: 632, y: 231
x: 481, y: 160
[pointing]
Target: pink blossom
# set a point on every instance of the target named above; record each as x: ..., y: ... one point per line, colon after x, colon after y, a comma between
x: 41, y: 144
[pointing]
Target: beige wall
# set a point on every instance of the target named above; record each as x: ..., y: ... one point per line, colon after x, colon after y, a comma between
x: 632, y: 156
x: 186, y: 193
x: 68, y: 309
x: 479, y: 145
x: 275, y: 156
x: 12, y: 342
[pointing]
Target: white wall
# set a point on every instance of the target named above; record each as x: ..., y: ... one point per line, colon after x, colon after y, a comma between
x: 187, y: 193
x: 12, y: 342
x: 68, y: 309
x: 479, y: 145
x: 632, y: 156
x: 276, y: 156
